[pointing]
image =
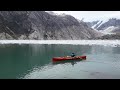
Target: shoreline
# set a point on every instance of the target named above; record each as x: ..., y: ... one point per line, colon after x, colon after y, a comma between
x: 73, y: 42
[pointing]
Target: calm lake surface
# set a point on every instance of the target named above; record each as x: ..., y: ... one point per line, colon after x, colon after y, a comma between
x: 35, y: 62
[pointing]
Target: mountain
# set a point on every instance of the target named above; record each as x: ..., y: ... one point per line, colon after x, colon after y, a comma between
x: 107, y: 26
x: 41, y: 25
x: 91, y: 24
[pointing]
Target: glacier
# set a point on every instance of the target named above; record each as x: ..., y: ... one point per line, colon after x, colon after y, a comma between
x: 73, y: 42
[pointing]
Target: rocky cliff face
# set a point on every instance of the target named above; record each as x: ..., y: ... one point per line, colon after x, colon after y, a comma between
x: 41, y: 25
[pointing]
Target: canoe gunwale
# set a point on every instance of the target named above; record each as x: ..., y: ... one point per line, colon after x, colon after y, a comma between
x: 69, y: 58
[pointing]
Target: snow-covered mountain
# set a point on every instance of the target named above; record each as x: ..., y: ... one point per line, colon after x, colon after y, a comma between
x: 107, y: 26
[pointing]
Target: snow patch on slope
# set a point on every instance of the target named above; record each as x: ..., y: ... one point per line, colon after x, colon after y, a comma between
x: 100, y: 23
x: 103, y: 22
x: 96, y: 24
x: 109, y: 30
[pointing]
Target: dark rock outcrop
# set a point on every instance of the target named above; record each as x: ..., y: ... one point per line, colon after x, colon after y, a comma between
x: 109, y: 37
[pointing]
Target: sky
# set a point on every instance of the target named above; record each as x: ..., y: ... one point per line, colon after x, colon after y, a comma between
x: 91, y: 15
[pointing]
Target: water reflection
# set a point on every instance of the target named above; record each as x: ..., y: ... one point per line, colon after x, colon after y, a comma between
x: 116, y: 50
x: 72, y: 62
x: 18, y: 60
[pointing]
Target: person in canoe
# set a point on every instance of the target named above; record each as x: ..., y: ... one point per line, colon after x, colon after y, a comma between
x: 73, y: 55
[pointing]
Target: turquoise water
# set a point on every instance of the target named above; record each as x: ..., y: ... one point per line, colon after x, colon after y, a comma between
x: 35, y: 62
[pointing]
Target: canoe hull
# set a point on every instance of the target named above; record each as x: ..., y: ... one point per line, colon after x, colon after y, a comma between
x: 68, y: 58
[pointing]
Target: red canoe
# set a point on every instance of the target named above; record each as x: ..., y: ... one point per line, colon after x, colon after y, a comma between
x: 69, y: 58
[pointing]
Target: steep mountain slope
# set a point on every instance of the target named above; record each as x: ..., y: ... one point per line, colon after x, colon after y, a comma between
x: 108, y: 26
x: 42, y: 25
x: 91, y: 24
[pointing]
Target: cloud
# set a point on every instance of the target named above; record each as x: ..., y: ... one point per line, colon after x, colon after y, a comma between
x: 91, y: 15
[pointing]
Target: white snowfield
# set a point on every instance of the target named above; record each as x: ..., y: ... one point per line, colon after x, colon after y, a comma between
x: 74, y: 42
